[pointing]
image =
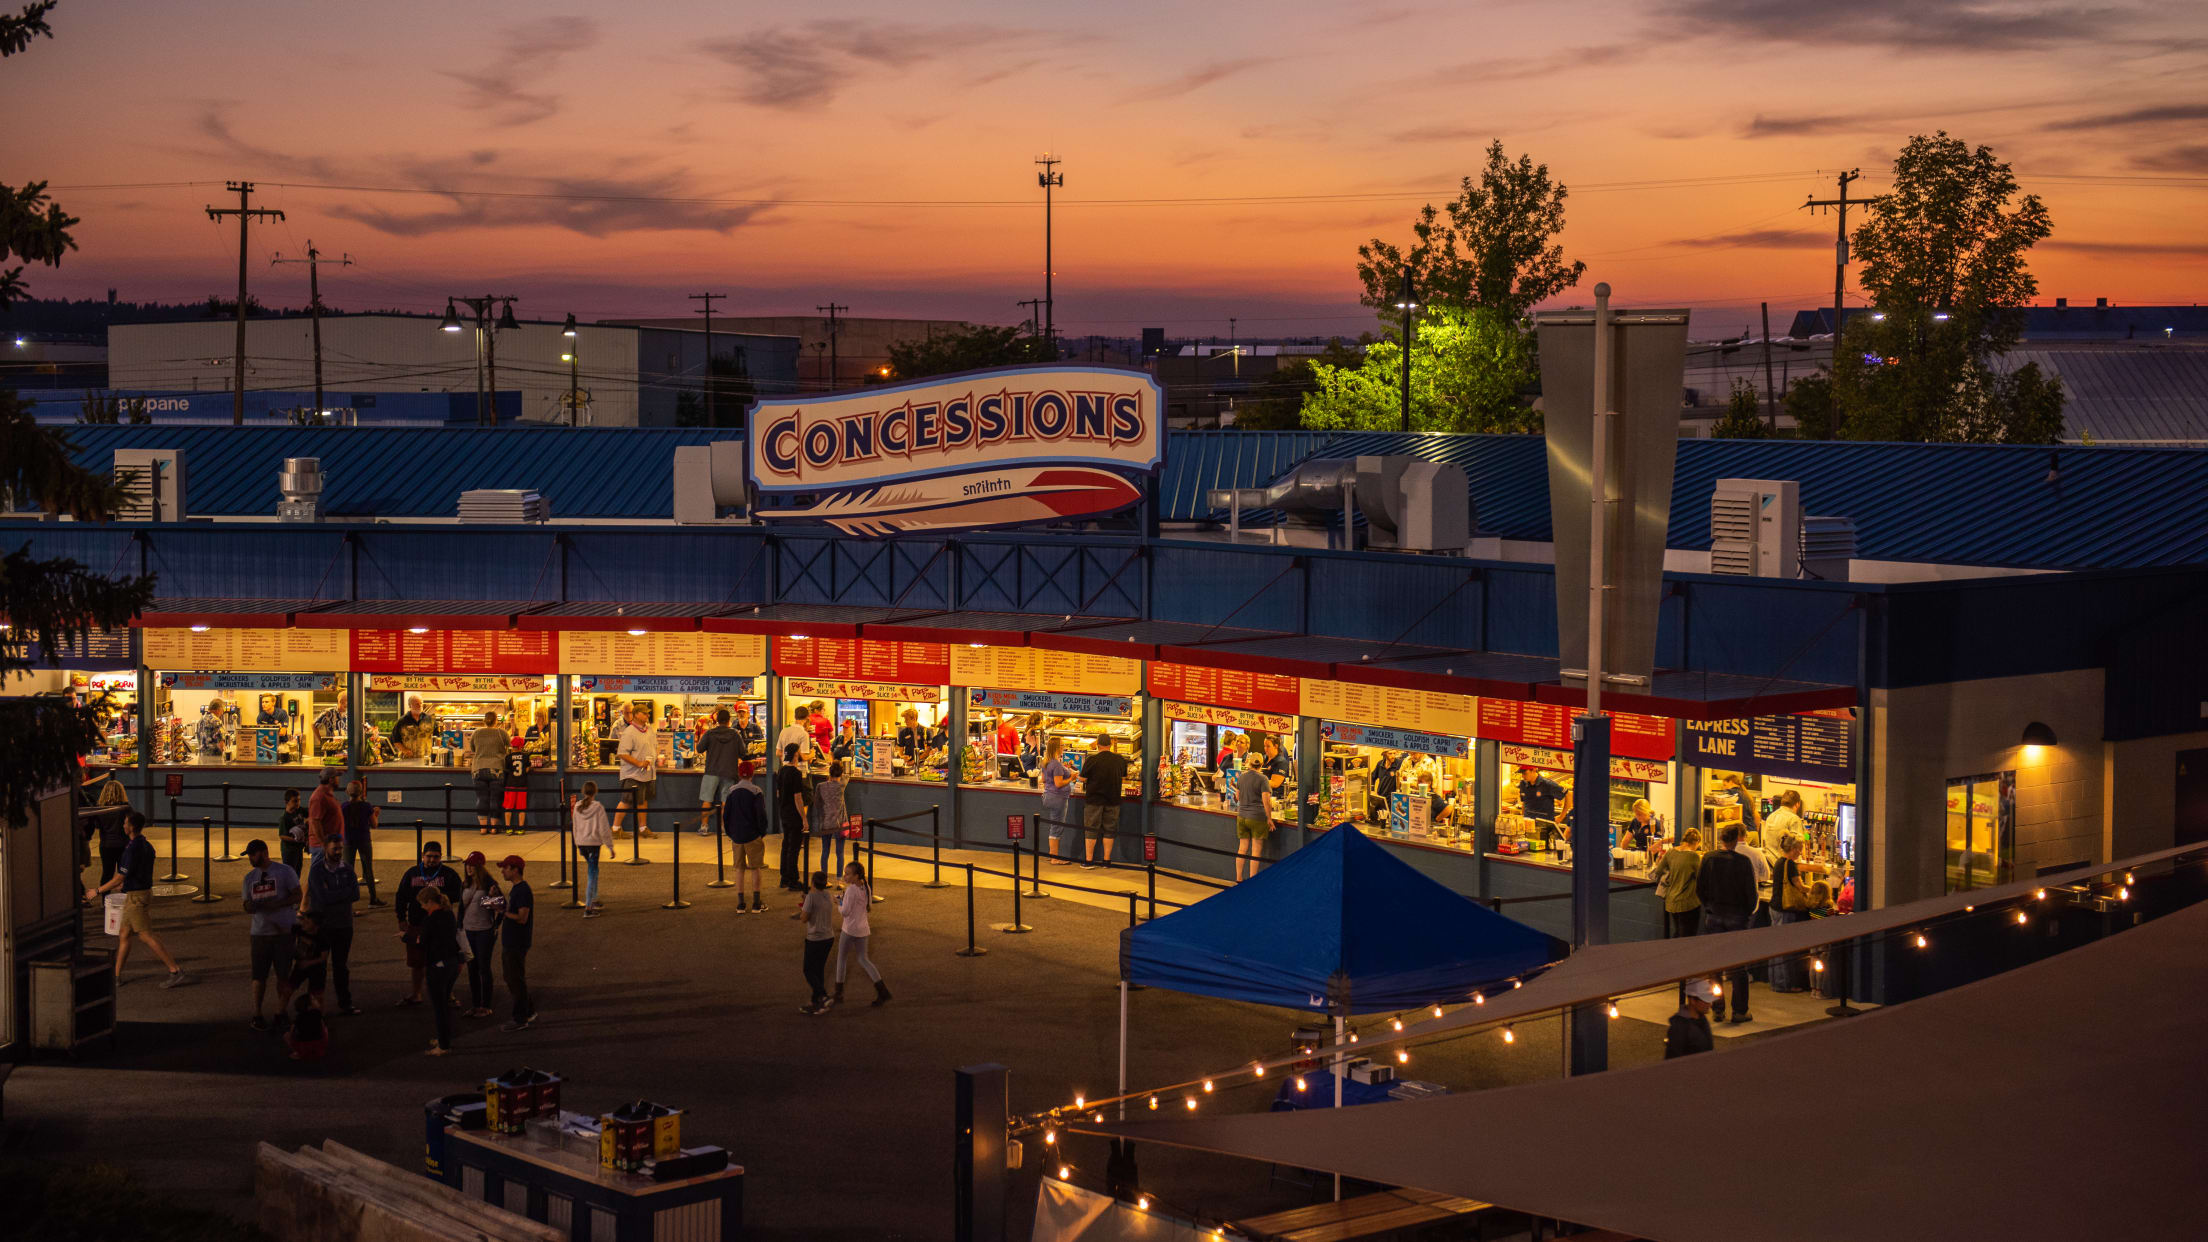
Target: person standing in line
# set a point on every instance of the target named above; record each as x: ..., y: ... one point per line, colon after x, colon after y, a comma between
x: 480, y: 916
x: 291, y: 830
x: 591, y: 833
x: 516, y: 790
x: 1675, y: 883
x: 134, y: 870
x: 1103, y: 782
x: 819, y: 912
x: 723, y: 749
x: 325, y: 819
x: 487, y: 748
x: 271, y: 896
x: 829, y: 809
x: 790, y: 808
x: 441, y: 956
x: 1726, y: 883
x: 744, y: 819
x: 1689, y: 1031
x: 358, y: 836
x: 332, y: 889
x: 1253, y: 818
x: 1785, y: 820
x: 858, y: 928
x: 1057, y: 783
x: 430, y: 873
x: 639, y: 755
x: 798, y: 731
x: 516, y: 934
x: 1789, y: 974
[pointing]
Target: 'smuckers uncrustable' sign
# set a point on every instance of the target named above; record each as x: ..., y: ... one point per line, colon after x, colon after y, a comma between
x: 987, y: 448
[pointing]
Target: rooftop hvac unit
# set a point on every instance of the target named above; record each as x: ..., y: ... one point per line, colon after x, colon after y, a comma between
x: 154, y: 482
x: 301, y: 485
x: 1828, y: 544
x: 708, y: 479
x: 1756, y: 528
x: 1408, y: 504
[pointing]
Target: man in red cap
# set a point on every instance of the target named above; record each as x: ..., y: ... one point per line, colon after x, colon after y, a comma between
x: 744, y: 819
x: 514, y: 943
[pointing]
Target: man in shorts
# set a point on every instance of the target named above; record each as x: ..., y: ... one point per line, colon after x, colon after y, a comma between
x: 1253, y: 818
x: 744, y: 819
x: 134, y: 875
x: 639, y: 755
x: 272, y: 898
x: 721, y: 749
x: 1103, y: 779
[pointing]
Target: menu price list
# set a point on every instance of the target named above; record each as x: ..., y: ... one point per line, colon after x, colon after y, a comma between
x: 863, y: 659
x: 455, y: 651
x: 224, y: 650
x: 1049, y: 672
x: 673, y: 654
x: 1257, y: 692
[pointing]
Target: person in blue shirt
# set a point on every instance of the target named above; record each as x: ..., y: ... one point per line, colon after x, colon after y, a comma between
x: 744, y: 820
x: 271, y: 896
x: 1539, y: 795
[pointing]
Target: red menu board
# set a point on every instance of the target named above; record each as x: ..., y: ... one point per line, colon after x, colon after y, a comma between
x: 1641, y: 737
x: 455, y: 651
x: 1529, y: 723
x: 1256, y: 692
x: 863, y: 659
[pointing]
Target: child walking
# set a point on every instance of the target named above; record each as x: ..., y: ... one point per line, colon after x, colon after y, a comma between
x: 858, y: 903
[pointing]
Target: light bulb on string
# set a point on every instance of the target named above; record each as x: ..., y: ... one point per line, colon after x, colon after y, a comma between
x: 2124, y: 893
x: 1143, y: 1203
x: 1049, y: 1137
x: 1398, y: 1024
x: 1479, y: 998
x: 1098, y: 1118
x: 1509, y: 1036
x: 1817, y: 964
x: 1402, y: 1057
x: 1301, y: 1085
x: 1207, y: 1086
x: 1191, y: 1102
x: 1613, y: 1007
x: 1065, y: 1171
x: 2021, y: 919
x: 2129, y: 878
x: 1153, y: 1103
x: 1922, y: 942
x: 1079, y: 1102
x: 2039, y: 894
x: 1353, y: 1037
x: 1260, y: 1068
x: 1437, y: 1011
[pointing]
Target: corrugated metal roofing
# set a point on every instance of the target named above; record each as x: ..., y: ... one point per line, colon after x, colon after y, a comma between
x: 2135, y: 394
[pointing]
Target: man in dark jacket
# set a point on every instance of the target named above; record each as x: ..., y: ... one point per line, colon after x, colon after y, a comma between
x: 1689, y: 1032
x: 1726, y: 883
x: 332, y: 888
x: 719, y: 751
x: 430, y: 870
x: 744, y: 819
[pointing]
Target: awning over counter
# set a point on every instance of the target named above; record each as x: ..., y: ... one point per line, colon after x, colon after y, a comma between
x: 403, y: 614
x: 1706, y: 696
x: 1141, y: 640
x: 1295, y: 655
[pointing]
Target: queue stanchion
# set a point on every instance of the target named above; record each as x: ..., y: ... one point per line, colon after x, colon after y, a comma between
x: 206, y: 891
x: 417, y: 839
x: 174, y: 876
x: 935, y: 854
x: 874, y: 886
x: 448, y: 819
x: 226, y: 855
x: 720, y: 863
x: 636, y: 837
x: 971, y: 949
x: 575, y: 890
x: 1015, y: 927
x: 560, y: 812
x: 1035, y: 864
x: 1150, y: 865
x: 1132, y: 898
x: 676, y: 902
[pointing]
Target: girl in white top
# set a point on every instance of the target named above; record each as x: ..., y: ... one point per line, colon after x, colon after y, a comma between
x: 592, y: 833
x: 858, y: 902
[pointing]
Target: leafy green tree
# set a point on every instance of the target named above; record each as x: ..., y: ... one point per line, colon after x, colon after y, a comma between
x: 1275, y: 403
x: 107, y: 409
x: 51, y: 603
x: 1495, y: 248
x: 973, y: 348
x: 1743, y: 417
x: 1944, y: 262
x: 1808, y: 402
x: 1470, y: 371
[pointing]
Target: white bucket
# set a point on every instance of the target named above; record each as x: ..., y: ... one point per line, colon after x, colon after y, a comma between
x: 113, y: 920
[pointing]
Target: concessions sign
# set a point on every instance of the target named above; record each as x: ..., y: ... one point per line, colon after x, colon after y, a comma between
x: 1424, y: 711
x: 1198, y: 713
x: 1394, y: 739
x: 737, y: 687
x: 1053, y: 704
x: 252, y: 681
x: 657, y: 654
x: 1253, y: 692
x: 1812, y: 746
x: 482, y: 684
x: 876, y: 691
x: 1052, y: 672
x: 987, y: 448
x: 248, y: 650
x: 1549, y: 726
x: 451, y: 651
x: 1561, y: 761
x: 864, y: 659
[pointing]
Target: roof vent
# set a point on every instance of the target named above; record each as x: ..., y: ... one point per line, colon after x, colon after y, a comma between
x: 1828, y: 544
x: 503, y: 505
x: 1756, y: 528
x: 153, y: 480
x: 301, y: 484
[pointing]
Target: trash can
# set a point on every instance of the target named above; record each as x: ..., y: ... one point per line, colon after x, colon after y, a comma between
x: 463, y: 1109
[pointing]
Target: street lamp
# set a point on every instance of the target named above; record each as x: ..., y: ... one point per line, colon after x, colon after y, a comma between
x: 486, y: 347
x: 451, y: 321
x: 568, y: 329
x: 574, y: 399
x: 1407, y: 303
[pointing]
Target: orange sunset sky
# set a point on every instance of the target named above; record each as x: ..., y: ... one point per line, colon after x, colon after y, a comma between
x: 608, y: 160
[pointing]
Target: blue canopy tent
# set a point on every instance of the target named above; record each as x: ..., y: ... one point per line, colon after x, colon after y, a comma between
x: 1341, y: 926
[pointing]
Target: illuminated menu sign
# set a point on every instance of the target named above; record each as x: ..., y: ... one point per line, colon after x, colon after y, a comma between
x: 1812, y: 746
x: 1390, y: 707
x: 1062, y: 704
x: 253, y: 681
x: 863, y: 659
x: 1394, y: 739
x: 480, y: 683
x: 1256, y: 692
x: 876, y: 691
x: 653, y: 654
x: 454, y: 651
x: 93, y: 649
x: 1232, y: 718
x: 1561, y: 761
x: 735, y: 687
x: 1050, y: 672
x: 1549, y: 725
x: 227, y: 650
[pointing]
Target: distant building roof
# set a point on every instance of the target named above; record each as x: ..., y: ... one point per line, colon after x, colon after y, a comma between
x: 2060, y: 322
x: 2127, y: 394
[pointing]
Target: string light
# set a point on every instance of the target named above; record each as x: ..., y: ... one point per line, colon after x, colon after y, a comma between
x: 1478, y: 999
x: 1515, y: 984
x: 2039, y: 895
x: 1207, y: 1086
x: 2129, y: 878
x: 1437, y: 1011
x: 1191, y: 1103
x: 1399, y: 1024
x: 1153, y: 1103
x: 1402, y: 1057
x: 1143, y: 1204
x: 1301, y: 1085
x: 1716, y: 988
x: 1049, y: 1137
x: 2124, y: 893
x: 1099, y: 1118
x: 1922, y: 942
x: 1065, y: 1171
x: 1509, y: 1036
x: 1969, y: 909
x: 2020, y: 919
x: 1613, y: 1009
x: 1353, y: 1037
x: 1260, y: 1068
x: 1817, y: 964
x: 1079, y: 1102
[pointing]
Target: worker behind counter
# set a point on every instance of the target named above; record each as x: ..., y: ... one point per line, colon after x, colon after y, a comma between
x: 1541, y: 797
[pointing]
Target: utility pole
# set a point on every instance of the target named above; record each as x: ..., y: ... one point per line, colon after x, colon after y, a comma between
x: 314, y: 308
x: 1034, y: 316
x: 832, y: 310
x: 1409, y: 306
x: 1050, y: 178
x: 1770, y: 394
x: 1840, y: 248
x: 245, y: 214
x: 708, y: 299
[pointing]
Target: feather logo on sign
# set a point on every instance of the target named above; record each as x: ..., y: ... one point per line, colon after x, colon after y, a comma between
x: 977, y: 498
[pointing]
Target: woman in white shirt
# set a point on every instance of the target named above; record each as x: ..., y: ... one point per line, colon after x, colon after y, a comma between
x: 858, y: 901
x: 592, y: 833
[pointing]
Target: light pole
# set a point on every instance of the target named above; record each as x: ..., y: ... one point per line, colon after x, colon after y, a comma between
x: 574, y: 406
x: 1049, y: 179
x: 486, y: 347
x: 1409, y: 308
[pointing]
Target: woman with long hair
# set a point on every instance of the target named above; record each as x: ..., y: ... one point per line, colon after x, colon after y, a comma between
x: 829, y: 812
x: 858, y: 904
x: 481, y: 911
x: 441, y: 954
x: 593, y: 832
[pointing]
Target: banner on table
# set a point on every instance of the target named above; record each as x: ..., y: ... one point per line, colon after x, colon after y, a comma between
x: 871, y: 757
x: 1256, y: 692
x: 1561, y: 761
x: 253, y: 681
x: 483, y: 684
x: 1425, y: 711
x: 1052, y: 672
x: 248, y: 650
x: 655, y: 654
x: 1394, y: 739
x: 1057, y: 704
x: 738, y: 687
x: 1811, y: 746
x: 1231, y: 718
x: 802, y: 688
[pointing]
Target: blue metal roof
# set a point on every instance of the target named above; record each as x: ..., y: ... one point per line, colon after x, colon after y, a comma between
x: 1966, y: 504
